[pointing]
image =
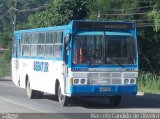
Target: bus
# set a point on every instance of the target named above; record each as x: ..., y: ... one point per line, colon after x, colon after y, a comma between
x: 82, y: 59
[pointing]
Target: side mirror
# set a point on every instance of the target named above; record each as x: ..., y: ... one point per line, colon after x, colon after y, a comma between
x: 66, y: 43
x: 68, y: 38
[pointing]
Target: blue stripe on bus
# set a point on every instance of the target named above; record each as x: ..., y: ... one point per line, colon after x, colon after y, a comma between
x: 38, y: 58
x: 94, y: 90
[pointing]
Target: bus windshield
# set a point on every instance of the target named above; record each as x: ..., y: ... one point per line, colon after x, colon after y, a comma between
x: 104, y: 48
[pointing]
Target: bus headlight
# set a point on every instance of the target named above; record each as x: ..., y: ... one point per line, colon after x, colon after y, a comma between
x: 132, y: 81
x: 126, y: 81
x: 79, y: 81
x: 76, y: 81
x: 83, y: 81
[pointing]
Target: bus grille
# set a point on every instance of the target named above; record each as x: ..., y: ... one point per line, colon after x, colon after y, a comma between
x: 105, y: 78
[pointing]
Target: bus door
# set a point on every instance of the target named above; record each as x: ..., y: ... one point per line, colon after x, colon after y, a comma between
x: 67, y: 38
x: 15, y: 59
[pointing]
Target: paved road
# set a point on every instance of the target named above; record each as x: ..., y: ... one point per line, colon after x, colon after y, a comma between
x: 14, y: 100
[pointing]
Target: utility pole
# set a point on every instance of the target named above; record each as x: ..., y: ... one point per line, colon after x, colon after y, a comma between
x: 15, y: 15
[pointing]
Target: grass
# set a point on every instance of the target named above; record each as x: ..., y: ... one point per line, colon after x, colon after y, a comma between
x: 5, y: 67
x: 149, y: 83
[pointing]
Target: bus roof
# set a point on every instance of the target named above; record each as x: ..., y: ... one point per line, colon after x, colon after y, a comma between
x: 44, y: 29
x: 97, y: 25
x: 87, y: 24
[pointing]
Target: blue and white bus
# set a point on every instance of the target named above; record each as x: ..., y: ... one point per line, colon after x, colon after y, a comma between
x: 81, y: 59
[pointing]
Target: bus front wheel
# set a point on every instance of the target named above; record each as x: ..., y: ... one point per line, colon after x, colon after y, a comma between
x: 63, y: 100
x: 32, y: 94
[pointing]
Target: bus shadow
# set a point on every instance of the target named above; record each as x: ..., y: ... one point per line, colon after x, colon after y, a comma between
x: 146, y: 101
x: 50, y: 97
x: 91, y: 103
x: 82, y: 102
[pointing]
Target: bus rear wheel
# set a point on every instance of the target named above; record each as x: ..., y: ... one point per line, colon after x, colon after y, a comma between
x: 114, y: 101
x: 63, y: 100
x: 32, y: 94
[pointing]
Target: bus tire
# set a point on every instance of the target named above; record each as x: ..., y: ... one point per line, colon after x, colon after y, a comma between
x: 63, y: 100
x: 32, y: 94
x: 114, y: 101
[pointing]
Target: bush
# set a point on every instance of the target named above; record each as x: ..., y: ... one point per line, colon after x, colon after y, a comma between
x: 5, y: 65
x: 5, y: 69
x: 149, y: 83
x: 5, y: 55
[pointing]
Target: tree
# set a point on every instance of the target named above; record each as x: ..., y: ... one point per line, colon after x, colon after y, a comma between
x: 5, y: 39
x: 154, y: 14
x: 106, y: 10
x: 60, y: 12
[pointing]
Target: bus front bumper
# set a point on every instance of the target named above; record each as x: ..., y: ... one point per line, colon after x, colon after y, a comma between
x: 101, y: 91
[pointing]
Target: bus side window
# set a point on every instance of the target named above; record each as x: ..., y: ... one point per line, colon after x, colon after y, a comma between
x: 41, y: 44
x: 58, y: 44
x: 25, y: 45
x: 49, y: 44
x: 34, y: 42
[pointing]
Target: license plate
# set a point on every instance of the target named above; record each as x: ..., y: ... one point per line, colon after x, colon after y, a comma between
x: 105, y: 89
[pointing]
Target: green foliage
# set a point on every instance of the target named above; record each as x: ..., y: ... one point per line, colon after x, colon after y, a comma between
x: 5, y: 69
x: 96, y: 8
x: 22, y: 17
x: 5, y: 15
x: 7, y: 12
x: 149, y: 47
x: 5, y: 55
x: 149, y: 83
x: 154, y: 14
x: 60, y: 12
x: 5, y: 39
x: 100, y: 9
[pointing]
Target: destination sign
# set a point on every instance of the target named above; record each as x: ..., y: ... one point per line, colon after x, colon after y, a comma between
x: 104, y: 25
